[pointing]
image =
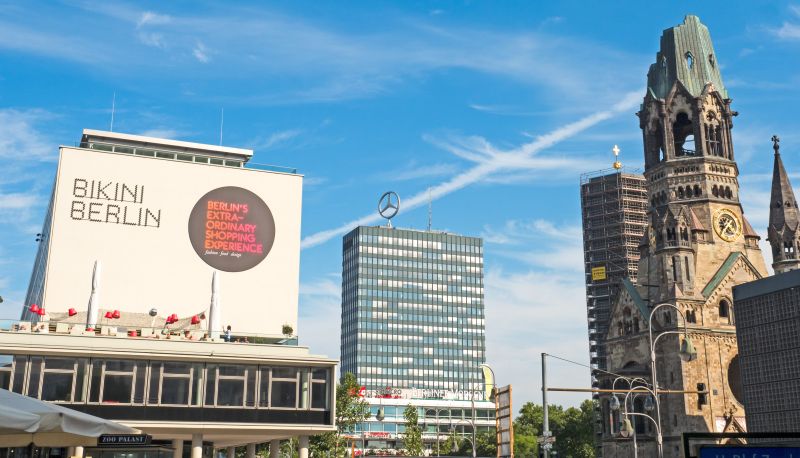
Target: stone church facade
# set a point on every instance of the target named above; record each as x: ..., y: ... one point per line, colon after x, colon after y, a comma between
x: 699, y: 245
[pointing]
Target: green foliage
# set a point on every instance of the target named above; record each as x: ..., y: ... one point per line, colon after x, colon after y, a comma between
x: 350, y: 411
x: 412, y: 439
x: 572, y: 427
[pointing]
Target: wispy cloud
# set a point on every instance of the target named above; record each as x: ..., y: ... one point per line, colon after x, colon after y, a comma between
x: 21, y: 135
x: 17, y: 201
x: 554, y: 303
x: 415, y: 171
x: 278, y: 138
x: 332, y: 64
x: 151, y: 18
x: 201, y: 53
x: 489, y: 160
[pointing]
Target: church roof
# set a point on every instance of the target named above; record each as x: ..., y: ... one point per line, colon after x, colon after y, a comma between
x: 696, y: 224
x: 723, y: 271
x: 748, y: 229
x: 782, y: 203
x: 637, y: 298
x: 686, y: 55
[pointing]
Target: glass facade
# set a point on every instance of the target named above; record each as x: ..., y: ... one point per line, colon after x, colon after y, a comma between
x: 413, y: 309
x: 166, y: 383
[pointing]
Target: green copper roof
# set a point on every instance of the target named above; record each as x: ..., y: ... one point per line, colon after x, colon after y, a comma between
x: 686, y: 55
x: 637, y: 299
x: 723, y: 271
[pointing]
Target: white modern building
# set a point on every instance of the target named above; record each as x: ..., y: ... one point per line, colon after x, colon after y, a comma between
x: 151, y: 249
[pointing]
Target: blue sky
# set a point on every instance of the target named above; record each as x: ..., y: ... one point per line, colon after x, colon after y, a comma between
x: 497, y: 106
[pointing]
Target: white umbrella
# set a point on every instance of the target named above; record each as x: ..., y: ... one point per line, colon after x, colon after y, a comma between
x: 214, y: 310
x: 25, y: 420
x: 94, y: 307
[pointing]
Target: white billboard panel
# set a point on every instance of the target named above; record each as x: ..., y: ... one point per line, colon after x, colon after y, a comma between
x: 161, y: 227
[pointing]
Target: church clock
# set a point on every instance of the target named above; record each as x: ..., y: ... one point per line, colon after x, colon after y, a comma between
x: 727, y: 225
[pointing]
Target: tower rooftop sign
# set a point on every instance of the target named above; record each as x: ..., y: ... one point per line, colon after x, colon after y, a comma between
x: 686, y: 55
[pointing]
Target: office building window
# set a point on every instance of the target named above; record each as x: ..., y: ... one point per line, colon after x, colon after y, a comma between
x: 284, y: 386
x: 6, y: 371
x: 175, y: 383
x: 117, y: 381
x: 319, y: 389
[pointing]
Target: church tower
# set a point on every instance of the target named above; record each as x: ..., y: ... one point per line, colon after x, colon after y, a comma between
x: 783, y: 232
x: 698, y: 246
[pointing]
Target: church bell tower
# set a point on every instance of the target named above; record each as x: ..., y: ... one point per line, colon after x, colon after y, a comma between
x: 698, y: 246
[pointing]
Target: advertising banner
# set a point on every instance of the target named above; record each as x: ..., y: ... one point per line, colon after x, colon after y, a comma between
x: 160, y: 228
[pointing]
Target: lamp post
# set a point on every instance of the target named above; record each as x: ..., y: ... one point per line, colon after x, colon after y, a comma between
x: 437, y: 426
x: 649, y: 406
x: 687, y: 353
x: 614, y: 403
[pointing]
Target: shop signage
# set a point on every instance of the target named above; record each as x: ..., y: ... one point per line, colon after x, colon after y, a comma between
x: 425, y: 393
x: 123, y: 439
x: 231, y: 229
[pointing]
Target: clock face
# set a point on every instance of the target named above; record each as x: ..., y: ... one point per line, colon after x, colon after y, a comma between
x: 727, y: 225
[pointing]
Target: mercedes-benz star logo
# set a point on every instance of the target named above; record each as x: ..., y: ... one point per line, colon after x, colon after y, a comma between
x: 389, y: 204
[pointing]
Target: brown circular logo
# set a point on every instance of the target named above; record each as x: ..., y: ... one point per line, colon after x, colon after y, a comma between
x: 231, y: 229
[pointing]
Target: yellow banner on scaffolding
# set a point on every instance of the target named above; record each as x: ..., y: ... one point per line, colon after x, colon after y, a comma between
x: 598, y: 273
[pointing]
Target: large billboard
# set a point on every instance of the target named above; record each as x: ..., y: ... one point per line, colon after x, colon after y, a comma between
x: 159, y: 228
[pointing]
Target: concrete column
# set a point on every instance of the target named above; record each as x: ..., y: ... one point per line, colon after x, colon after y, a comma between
x: 197, y: 445
x: 79, y: 451
x: 274, y: 448
x: 70, y: 451
x: 303, y: 452
x: 251, y: 450
x: 231, y: 452
x: 177, y: 448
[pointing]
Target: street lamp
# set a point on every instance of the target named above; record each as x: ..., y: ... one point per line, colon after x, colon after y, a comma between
x: 627, y: 426
x: 687, y: 353
x: 615, y: 406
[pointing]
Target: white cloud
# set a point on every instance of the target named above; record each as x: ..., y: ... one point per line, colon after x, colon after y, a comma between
x: 21, y: 137
x: 200, y: 52
x: 18, y: 201
x: 151, y: 18
x: 334, y: 65
x: 530, y: 313
x: 489, y: 160
x: 416, y: 171
x: 320, y: 315
x: 278, y: 138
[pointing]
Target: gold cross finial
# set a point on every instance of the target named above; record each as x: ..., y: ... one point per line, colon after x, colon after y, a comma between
x: 617, y: 163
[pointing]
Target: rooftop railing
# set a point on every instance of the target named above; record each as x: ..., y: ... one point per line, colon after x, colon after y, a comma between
x: 184, y: 156
x: 129, y: 332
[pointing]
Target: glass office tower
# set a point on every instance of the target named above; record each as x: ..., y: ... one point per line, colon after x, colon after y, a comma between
x: 413, y: 310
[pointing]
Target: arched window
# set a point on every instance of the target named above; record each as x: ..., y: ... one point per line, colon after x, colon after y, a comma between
x: 697, y: 191
x: 688, y: 192
x: 682, y: 131
x: 725, y: 311
x: 711, y: 61
x: 689, y: 60
x: 728, y: 193
x: 715, y: 191
x: 680, y: 192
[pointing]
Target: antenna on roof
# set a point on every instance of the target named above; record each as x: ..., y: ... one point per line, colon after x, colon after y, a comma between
x: 430, y: 209
x: 113, y: 107
x: 221, y: 123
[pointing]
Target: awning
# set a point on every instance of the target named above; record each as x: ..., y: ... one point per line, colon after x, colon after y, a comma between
x: 25, y: 420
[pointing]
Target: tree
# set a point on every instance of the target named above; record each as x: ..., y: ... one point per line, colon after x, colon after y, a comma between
x: 350, y: 411
x: 573, y: 429
x: 412, y: 439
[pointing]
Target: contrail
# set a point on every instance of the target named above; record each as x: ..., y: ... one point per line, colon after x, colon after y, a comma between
x: 495, y: 161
